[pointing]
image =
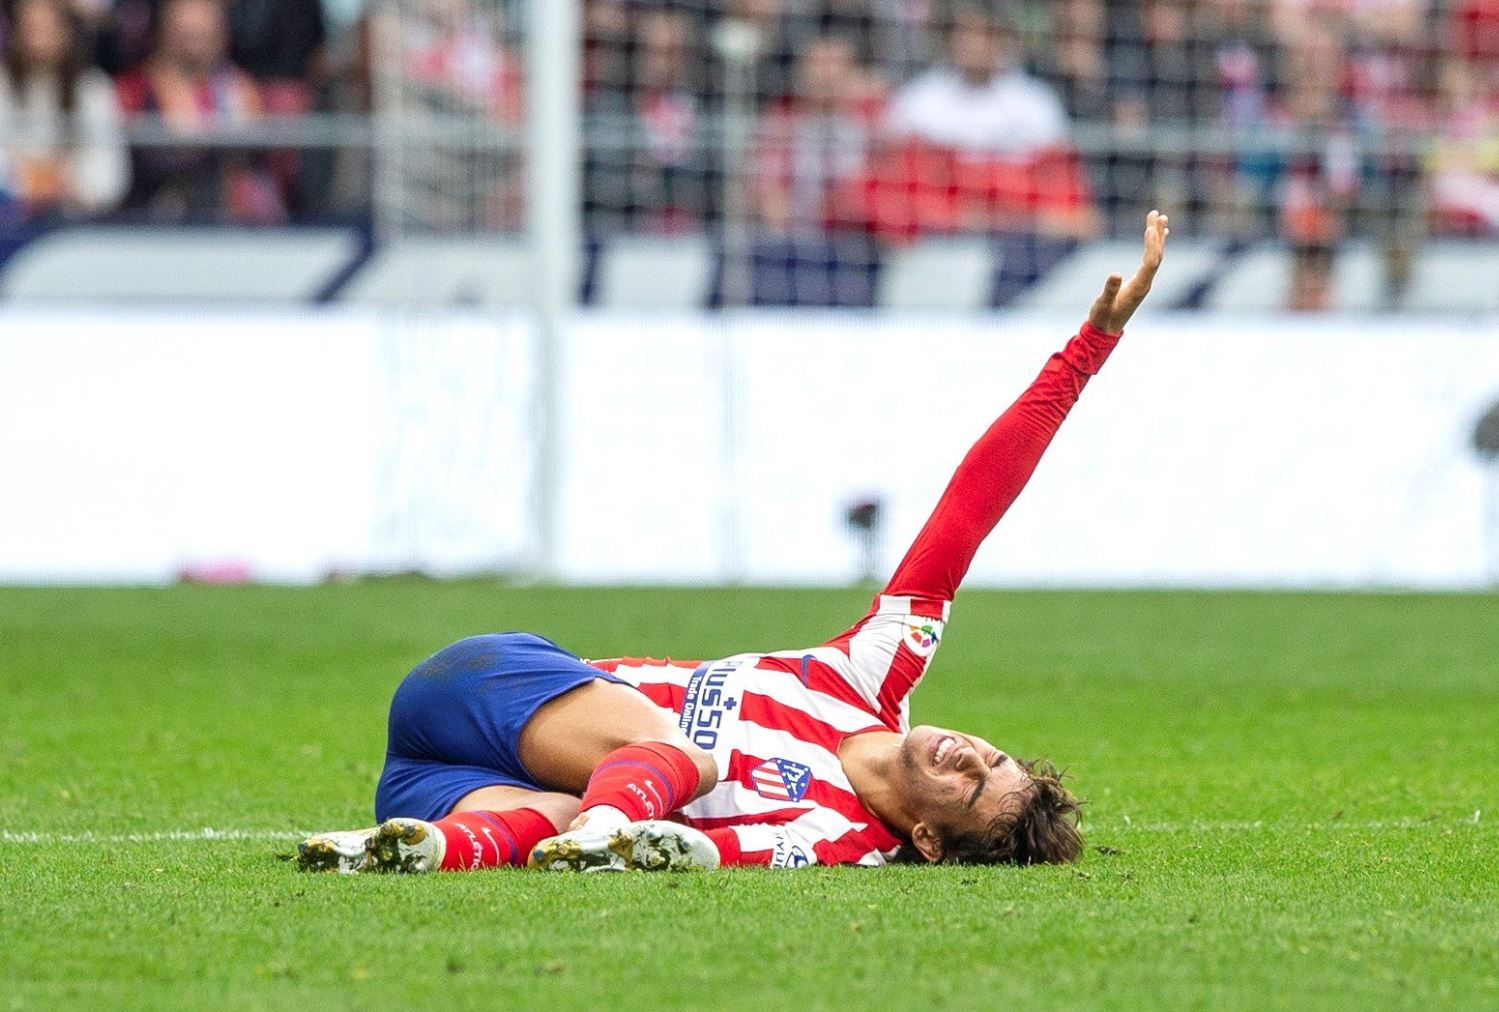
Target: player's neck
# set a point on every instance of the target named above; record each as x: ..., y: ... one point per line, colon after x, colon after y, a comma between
x: 871, y: 761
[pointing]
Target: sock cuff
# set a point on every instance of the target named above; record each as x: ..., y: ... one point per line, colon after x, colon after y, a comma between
x: 530, y: 824
x: 684, y: 773
x: 645, y: 780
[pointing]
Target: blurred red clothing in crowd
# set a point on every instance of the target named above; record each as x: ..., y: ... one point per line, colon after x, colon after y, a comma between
x: 1474, y: 31
x: 915, y: 189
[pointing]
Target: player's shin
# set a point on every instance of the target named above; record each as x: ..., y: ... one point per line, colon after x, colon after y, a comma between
x: 474, y: 840
x: 648, y: 780
x: 463, y: 841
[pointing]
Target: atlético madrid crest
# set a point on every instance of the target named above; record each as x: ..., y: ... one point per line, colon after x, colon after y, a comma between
x: 781, y: 779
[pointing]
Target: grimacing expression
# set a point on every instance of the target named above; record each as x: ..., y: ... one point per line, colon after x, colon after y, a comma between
x: 956, y: 783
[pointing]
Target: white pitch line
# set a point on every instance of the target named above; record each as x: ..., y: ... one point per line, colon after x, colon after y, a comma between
x: 1260, y: 825
x: 209, y: 834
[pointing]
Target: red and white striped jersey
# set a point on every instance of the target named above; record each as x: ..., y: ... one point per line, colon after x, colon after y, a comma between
x: 773, y: 723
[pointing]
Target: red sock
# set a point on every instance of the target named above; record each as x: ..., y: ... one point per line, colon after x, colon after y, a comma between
x: 487, y: 839
x: 645, y: 781
x: 730, y: 852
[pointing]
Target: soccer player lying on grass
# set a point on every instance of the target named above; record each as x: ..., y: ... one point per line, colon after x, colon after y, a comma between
x: 499, y: 743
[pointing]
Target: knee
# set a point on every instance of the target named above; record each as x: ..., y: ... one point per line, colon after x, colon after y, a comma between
x: 707, y: 769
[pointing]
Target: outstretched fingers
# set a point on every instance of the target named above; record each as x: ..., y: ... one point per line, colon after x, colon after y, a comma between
x: 1119, y: 300
x: 1156, y: 231
x: 1102, y: 312
x: 1157, y: 228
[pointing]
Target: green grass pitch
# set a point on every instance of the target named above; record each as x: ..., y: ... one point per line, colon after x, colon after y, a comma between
x: 1294, y: 803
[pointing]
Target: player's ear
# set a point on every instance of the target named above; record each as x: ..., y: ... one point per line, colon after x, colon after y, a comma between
x: 926, y: 840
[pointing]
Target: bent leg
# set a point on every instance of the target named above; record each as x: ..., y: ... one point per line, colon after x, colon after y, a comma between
x: 456, y: 721
x: 492, y: 738
x: 567, y: 740
x: 494, y: 826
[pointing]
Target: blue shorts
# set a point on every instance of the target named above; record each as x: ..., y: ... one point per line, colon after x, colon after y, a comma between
x: 455, y: 721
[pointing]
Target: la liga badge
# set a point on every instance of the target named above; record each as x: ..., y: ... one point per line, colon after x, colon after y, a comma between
x: 923, y: 635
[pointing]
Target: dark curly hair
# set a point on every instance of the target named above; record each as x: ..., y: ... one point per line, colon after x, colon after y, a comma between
x: 1043, y: 831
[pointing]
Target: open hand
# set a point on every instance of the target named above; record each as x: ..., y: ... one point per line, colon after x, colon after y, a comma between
x: 1118, y: 302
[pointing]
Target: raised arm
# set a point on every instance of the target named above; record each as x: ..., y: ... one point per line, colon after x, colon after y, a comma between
x: 1002, y: 461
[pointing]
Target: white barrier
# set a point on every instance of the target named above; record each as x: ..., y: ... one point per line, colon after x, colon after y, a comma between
x: 1213, y: 451
x: 137, y: 444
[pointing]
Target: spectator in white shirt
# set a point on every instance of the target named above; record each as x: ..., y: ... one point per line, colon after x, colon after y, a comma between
x: 981, y: 102
x: 61, y: 149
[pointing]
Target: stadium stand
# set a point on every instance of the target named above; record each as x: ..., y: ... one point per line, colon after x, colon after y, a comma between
x: 451, y: 270
x: 652, y: 272
x: 1256, y: 282
x: 304, y: 265
x: 1193, y: 265
x: 1453, y: 276
x: 136, y: 263
x: 1322, y: 154
x: 808, y: 271
x: 947, y: 274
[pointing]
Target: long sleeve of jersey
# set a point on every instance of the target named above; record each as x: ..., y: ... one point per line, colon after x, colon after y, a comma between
x: 996, y: 469
x: 773, y: 722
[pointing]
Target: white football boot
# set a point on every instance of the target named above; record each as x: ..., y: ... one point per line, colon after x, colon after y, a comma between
x: 396, y: 845
x: 634, y: 846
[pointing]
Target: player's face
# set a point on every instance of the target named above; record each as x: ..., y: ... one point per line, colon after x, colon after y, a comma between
x: 956, y: 783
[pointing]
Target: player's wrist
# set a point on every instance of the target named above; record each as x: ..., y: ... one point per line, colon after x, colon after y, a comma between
x: 1091, y: 329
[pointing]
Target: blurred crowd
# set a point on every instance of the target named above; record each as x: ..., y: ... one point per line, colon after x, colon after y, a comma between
x: 1311, y: 119
x: 81, y: 78
x: 1314, y: 120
